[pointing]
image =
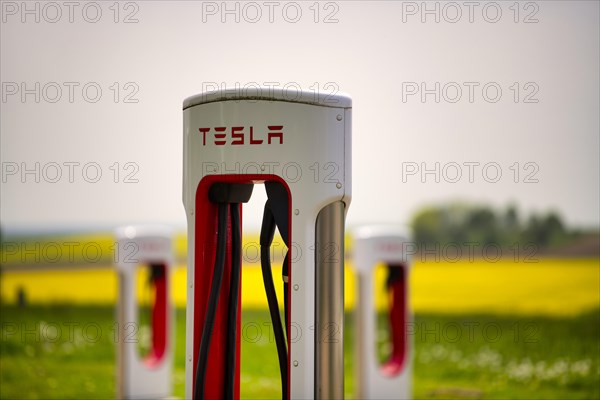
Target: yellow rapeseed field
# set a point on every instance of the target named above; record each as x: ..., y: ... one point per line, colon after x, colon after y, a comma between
x: 550, y: 286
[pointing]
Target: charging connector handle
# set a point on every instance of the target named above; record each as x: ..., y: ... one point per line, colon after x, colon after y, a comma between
x: 229, y: 193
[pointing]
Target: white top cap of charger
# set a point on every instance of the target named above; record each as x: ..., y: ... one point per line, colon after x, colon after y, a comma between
x: 133, y: 232
x: 337, y: 100
x: 382, y: 231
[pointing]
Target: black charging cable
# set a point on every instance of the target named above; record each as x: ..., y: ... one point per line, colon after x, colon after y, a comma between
x: 229, y: 197
x: 234, y: 292
x: 285, y: 278
x: 280, y: 206
x: 267, y: 233
x: 394, y: 275
x: 211, y: 309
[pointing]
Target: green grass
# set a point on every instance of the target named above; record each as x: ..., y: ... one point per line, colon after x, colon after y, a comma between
x: 508, y: 357
x: 494, y: 357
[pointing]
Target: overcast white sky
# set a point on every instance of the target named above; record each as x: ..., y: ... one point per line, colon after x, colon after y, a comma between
x: 543, y: 56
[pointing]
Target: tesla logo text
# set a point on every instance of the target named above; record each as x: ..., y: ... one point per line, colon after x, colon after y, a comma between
x: 237, y: 135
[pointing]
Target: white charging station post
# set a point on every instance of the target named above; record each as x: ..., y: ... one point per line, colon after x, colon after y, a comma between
x: 298, y: 145
x: 149, y: 377
x: 393, y: 378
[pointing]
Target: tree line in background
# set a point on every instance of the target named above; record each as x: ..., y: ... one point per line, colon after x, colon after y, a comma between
x: 459, y: 223
x: 467, y: 223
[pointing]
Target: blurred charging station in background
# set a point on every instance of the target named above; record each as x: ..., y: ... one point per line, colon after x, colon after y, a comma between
x: 391, y: 379
x: 148, y: 377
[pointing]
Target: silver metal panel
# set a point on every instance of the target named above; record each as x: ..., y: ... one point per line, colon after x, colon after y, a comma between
x: 329, y: 302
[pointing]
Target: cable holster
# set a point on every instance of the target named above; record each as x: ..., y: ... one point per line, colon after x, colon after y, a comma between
x: 227, y: 196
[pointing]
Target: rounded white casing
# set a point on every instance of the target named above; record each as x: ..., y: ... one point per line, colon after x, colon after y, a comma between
x: 373, y: 245
x: 139, y: 246
x: 313, y: 158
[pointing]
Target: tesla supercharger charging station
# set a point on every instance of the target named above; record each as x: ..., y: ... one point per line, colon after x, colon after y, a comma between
x: 393, y: 378
x: 151, y: 376
x: 298, y: 145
